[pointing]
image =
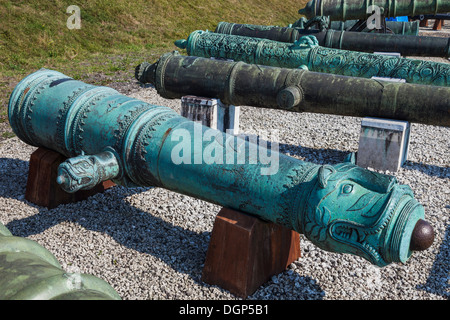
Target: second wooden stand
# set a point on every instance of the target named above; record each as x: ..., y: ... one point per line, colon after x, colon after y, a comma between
x: 245, y: 252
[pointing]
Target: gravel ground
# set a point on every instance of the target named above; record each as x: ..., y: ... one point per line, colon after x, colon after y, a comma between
x: 150, y: 243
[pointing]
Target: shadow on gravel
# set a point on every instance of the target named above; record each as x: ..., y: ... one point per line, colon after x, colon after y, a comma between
x: 428, y: 169
x: 112, y: 213
x: 317, y: 156
x: 438, y: 281
x: 333, y: 156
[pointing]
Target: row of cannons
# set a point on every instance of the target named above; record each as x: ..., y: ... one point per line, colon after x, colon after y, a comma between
x: 342, y: 208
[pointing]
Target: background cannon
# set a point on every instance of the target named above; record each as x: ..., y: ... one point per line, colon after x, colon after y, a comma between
x: 306, y: 52
x: 340, y: 208
x: 442, y: 16
x: 323, y: 23
x: 241, y: 84
x: 28, y: 271
x: 353, y: 41
x: 342, y: 10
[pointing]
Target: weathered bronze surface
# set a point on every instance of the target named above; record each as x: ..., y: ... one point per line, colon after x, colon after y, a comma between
x: 306, y: 52
x: 341, y: 208
x: 353, y: 41
x: 28, y: 271
x: 342, y: 10
x: 324, y: 23
x: 295, y: 90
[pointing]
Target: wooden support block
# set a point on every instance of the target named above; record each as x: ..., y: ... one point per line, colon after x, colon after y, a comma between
x: 423, y: 23
x: 438, y: 24
x: 42, y: 188
x: 244, y: 252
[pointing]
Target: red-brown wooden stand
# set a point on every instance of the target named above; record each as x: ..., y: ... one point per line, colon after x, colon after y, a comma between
x: 438, y: 24
x: 42, y: 188
x: 244, y: 252
x: 423, y: 23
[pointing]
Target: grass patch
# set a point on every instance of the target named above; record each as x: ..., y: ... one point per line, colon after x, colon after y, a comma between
x: 115, y: 35
x: 35, y: 33
x: 7, y: 135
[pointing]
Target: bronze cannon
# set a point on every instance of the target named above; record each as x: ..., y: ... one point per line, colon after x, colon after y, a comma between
x: 28, y: 271
x: 295, y: 90
x: 340, y: 208
x: 353, y: 41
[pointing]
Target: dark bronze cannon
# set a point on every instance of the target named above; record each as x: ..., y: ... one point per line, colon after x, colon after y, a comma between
x: 342, y: 10
x: 28, y: 271
x: 442, y: 16
x: 306, y: 52
x: 295, y: 90
x: 353, y: 41
x: 340, y: 208
x: 323, y: 23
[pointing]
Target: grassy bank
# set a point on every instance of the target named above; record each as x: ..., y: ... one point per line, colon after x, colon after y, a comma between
x: 114, y: 36
x: 34, y: 33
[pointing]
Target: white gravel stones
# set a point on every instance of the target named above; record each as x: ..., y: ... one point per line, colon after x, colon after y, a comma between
x: 150, y: 243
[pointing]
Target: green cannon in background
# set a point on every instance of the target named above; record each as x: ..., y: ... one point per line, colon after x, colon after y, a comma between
x: 340, y: 208
x: 28, y: 271
x: 353, y: 41
x: 306, y: 53
x: 323, y: 23
x: 342, y: 10
x: 295, y: 90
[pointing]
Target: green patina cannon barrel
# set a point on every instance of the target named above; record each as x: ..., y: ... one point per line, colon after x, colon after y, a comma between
x: 358, y: 9
x: 296, y: 90
x: 28, y: 271
x: 353, y: 41
x: 340, y: 208
x: 306, y: 52
x: 323, y: 23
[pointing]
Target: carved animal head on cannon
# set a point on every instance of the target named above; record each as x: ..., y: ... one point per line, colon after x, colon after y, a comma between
x: 351, y: 210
